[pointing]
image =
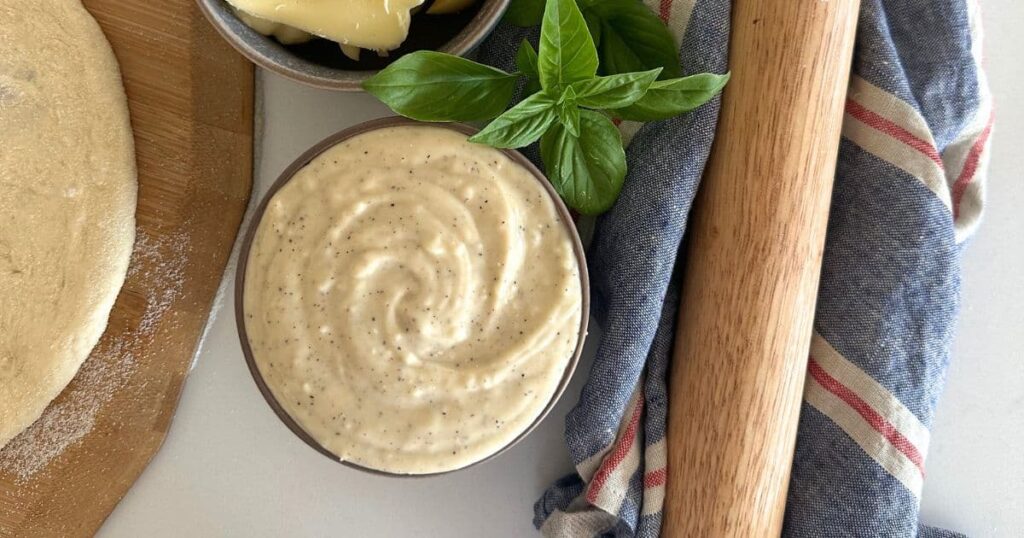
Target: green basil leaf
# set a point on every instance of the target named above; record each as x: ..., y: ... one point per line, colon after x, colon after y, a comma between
x: 586, y: 171
x: 521, y: 125
x: 633, y: 38
x: 526, y: 62
x: 569, y: 112
x: 525, y: 12
x: 614, y: 91
x: 669, y: 98
x: 593, y: 24
x: 567, y: 51
x: 568, y: 95
x: 433, y: 86
x: 569, y: 115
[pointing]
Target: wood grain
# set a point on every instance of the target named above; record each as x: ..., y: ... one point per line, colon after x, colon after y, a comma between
x: 753, y: 264
x: 191, y: 102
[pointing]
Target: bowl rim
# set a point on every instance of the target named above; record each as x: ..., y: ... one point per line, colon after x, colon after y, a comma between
x: 305, y: 158
x: 467, y: 39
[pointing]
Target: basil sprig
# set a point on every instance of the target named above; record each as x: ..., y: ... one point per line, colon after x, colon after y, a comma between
x: 605, y: 61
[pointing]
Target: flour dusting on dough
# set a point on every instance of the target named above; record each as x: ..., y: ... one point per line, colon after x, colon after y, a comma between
x: 158, y: 267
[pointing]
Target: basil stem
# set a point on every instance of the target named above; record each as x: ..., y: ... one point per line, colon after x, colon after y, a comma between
x: 569, y: 112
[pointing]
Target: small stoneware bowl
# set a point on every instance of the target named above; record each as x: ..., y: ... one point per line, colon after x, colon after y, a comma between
x: 286, y: 176
x: 320, y: 63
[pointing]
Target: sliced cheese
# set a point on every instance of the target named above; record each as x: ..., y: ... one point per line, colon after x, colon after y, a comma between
x: 287, y: 35
x: 369, y: 24
x: 351, y: 52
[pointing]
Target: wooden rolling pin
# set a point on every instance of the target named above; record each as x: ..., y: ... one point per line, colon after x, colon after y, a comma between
x: 754, y: 259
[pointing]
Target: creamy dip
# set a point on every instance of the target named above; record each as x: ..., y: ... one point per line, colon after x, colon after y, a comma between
x: 412, y: 300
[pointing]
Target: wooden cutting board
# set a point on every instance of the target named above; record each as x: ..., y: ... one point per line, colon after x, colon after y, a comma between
x: 191, y: 101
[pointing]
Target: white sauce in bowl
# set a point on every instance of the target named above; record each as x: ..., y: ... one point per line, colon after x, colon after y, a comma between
x: 412, y: 300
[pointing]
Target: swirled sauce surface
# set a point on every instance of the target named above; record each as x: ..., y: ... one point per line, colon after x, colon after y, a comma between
x: 412, y: 299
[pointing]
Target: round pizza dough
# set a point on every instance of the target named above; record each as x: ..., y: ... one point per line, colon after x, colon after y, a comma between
x: 67, y: 199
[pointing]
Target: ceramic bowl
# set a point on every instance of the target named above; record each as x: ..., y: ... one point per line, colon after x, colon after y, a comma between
x: 305, y: 159
x: 320, y: 63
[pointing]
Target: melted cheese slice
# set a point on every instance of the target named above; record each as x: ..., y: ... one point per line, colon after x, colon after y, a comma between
x: 370, y: 24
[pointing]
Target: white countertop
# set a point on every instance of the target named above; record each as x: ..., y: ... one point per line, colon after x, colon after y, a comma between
x: 230, y: 468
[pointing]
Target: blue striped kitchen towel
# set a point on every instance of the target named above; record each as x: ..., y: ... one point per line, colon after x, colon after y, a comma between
x: 909, y: 189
